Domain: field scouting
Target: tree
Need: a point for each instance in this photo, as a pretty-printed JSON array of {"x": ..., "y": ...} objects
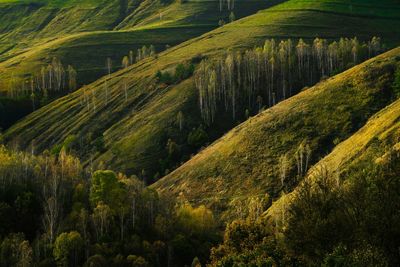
[
  {"x": 109, "y": 69},
  {"x": 152, "y": 51},
  {"x": 284, "y": 166},
  {"x": 105, "y": 188},
  {"x": 137, "y": 261},
  {"x": 131, "y": 57},
  {"x": 52, "y": 205},
  {"x": 71, "y": 78},
  {"x": 25, "y": 254},
  {"x": 272, "y": 73},
  {"x": 109, "y": 196},
  {"x": 179, "y": 119},
  {"x": 125, "y": 62},
  {"x": 232, "y": 17},
  {"x": 10, "y": 250},
  {"x": 196, "y": 262},
  {"x": 67, "y": 248},
  {"x": 101, "y": 219},
  {"x": 198, "y": 220},
  {"x": 197, "y": 137}
]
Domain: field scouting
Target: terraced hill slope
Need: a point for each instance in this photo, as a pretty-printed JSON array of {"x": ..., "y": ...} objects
[
  {"x": 247, "y": 162},
  {"x": 132, "y": 133}
]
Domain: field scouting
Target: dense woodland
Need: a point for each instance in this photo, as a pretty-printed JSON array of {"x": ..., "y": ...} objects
[
  {"x": 55, "y": 213},
  {"x": 244, "y": 83}
]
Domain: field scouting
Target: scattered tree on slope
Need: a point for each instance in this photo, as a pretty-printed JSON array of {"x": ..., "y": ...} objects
[{"x": 263, "y": 76}]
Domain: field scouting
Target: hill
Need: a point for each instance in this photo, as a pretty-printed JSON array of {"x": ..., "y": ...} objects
[
  {"x": 85, "y": 33},
  {"x": 131, "y": 133},
  {"x": 247, "y": 161},
  {"x": 370, "y": 146}
]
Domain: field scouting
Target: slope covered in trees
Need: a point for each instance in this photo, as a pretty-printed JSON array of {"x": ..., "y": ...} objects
[
  {"x": 271, "y": 152},
  {"x": 143, "y": 118}
]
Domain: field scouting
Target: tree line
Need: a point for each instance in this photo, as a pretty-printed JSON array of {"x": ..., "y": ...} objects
[
  {"x": 229, "y": 4},
  {"x": 246, "y": 82},
  {"x": 141, "y": 53},
  {"x": 53, "y": 78},
  {"x": 58, "y": 79}
]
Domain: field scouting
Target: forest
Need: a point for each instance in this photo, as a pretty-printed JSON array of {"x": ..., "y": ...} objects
[
  {"x": 245, "y": 83},
  {"x": 56, "y": 213}
]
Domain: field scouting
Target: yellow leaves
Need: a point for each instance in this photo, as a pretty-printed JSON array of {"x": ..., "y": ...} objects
[{"x": 199, "y": 219}]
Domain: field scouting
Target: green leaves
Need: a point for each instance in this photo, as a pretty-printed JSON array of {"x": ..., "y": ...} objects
[
  {"x": 107, "y": 189},
  {"x": 67, "y": 247}
]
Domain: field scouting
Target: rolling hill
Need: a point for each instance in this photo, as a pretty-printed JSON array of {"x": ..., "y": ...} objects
[
  {"x": 369, "y": 146},
  {"x": 199, "y": 132},
  {"x": 85, "y": 34},
  {"x": 131, "y": 134},
  {"x": 246, "y": 161}
]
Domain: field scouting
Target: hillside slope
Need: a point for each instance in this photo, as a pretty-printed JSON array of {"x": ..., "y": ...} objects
[
  {"x": 134, "y": 131},
  {"x": 85, "y": 34},
  {"x": 246, "y": 161},
  {"x": 371, "y": 146}
]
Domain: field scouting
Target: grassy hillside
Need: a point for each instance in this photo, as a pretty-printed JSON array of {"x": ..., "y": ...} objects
[
  {"x": 361, "y": 175},
  {"x": 152, "y": 108},
  {"x": 84, "y": 34},
  {"x": 246, "y": 161},
  {"x": 111, "y": 29}
]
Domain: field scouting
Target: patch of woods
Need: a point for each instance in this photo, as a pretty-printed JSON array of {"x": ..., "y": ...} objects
[
  {"x": 53, "y": 79},
  {"x": 181, "y": 72},
  {"x": 28, "y": 93},
  {"x": 244, "y": 83},
  {"x": 55, "y": 213}
]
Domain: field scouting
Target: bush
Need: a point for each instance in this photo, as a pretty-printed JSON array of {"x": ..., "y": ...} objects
[
  {"x": 198, "y": 137},
  {"x": 182, "y": 72}
]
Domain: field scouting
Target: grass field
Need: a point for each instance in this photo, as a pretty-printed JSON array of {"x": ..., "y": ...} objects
[{"x": 136, "y": 130}]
